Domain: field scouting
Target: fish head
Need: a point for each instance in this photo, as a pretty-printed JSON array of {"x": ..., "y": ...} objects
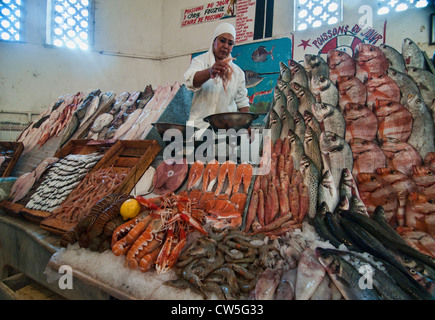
[
  {"x": 297, "y": 88},
  {"x": 321, "y": 110},
  {"x": 369, "y": 181},
  {"x": 338, "y": 57},
  {"x": 330, "y": 260},
  {"x": 330, "y": 141},
  {"x": 366, "y": 52},
  {"x": 311, "y": 61},
  {"x": 319, "y": 82},
  {"x": 343, "y": 204},
  {"x": 252, "y": 78},
  {"x": 282, "y": 85}
]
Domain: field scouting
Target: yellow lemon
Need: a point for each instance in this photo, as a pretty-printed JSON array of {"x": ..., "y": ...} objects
[{"x": 130, "y": 208}]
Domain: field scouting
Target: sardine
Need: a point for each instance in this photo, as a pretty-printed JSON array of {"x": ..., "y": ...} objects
[
  {"x": 336, "y": 154},
  {"x": 311, "y": 178},
  {"x": 361, "y": 122},
  {"x": 341, "y": 64},
  {"x": 331, "y": 118},
  {"x": 344, "y": 276},
  {"x": 324, "y": 90},
  {"x": 394, "y": 57},
  {"x": 316, "y": 66},
  {"x": 310, "y": 274},
  {"x": 412, "y": 54},
  {"x": 422, "y": 135}
]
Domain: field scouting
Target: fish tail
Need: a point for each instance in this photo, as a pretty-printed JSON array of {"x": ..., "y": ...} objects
[{"x": 271, "y": 52}]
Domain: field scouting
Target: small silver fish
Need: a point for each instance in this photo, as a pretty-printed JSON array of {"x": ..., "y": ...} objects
[{"x": 412, "y": 54}]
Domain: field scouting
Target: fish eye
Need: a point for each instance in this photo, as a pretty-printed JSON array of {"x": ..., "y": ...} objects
[
  {"x": 412, "y": 271},
  {"x": 431, "y": 201},
  {"x": 372, "y": 178},
  {"x": 418, "y": 100},
  {"x": 371, "y": 49},
  {"x": 429, "y": 172}
]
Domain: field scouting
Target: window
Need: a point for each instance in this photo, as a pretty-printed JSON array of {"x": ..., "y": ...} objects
[
  {"x": 387, "y": 6},
  {"x": 11, "y": 20},
  {"x": 315, "y": 13},
  {"x": 69, "y": 23}
]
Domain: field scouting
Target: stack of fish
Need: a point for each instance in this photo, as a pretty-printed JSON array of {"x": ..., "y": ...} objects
[{"x": 60, "y": 180}]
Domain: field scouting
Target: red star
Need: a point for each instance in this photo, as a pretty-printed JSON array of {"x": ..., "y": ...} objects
[{"x": 305, "y": 43}]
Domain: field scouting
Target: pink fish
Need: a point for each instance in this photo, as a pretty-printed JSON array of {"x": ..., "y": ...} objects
[
  {"x": 420, "y": 210},
  {"x": 369, "y": 59},
  {"x": 367, "y": 156},
  {"x": 351, "y": 90},
  {"x": 394, "y": 120},
  {"x": 360, "y": 121},
  {"x": 340, "y": 64},
  {"x": 401, "y": 155},
  {"x": 381, "y": 87}
]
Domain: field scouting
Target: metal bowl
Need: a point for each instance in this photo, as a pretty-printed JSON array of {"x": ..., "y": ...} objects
[
  {"x": 161, "y": 127},
  {"x": 231, "y": 120}
]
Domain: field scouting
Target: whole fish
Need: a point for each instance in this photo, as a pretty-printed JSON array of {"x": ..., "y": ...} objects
[
  {"x": 412, "y": 54},
  {"x": 375, "y": 191},
  {"x": 275, "y": 125},
  {"x": 316, "y": 66},
  {"x": 306, "y": 98},
  {"x": 91, "y": 110},
  {"x": 425, "y": 81},
  {"x": 336, "y": 154},
  {"x": 401, "y": 155},
  {"x": 328, "y": 193},
  {"x": 330, "y": 117},
  {"x": 321, "y": 228},
  {"x": 324, "y": 90},
  {"x": 22, "y": 186},
  {"x": 296, "y": 148},
  {"x": 424, "y": 179},
  {"x": 287, "y": 120},
  {"x": 357, "y": 205},
  {"x": 292, "y": 102},
  {"x": 381, "y": 87},
  {"x": 341, "y": 64},
  {"x": 119, "y": 101},
  {"x": 311, "y": 122},
  {"x": 405, "y": 83},
  {"x": 279, "y": 101},
  {"x": 126, "y": 126},
  {"x": 284, "y": 87},
  {"x": 394, "y": 120},
  {"x": 418, "y": 208},
  {"x": 310, "y": 274},
  {"x": 312, "y": 149},
  {"x": 267, "y": 284},
  {"x": 369, "y": 60},
  {"x": 300, "y": 127},
  {"x": 361, "y": 122},
  {"x": 394, "y": 57},
  {"x": 299, "y": 74},
  {"x": 351, "y": 90},
  {"x": 422, "y": 135},
  {"x": 102, "y": 121},
  {"x": 285, "y": 73},
  {"x": 419, "y": 240},
  {"x": 311, "y": 178},
  {"x": 367, "y": 156},
  {"x": 345, "y": 276},
  {"x": 347, "y": 185}
]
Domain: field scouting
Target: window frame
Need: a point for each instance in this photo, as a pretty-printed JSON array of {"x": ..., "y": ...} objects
[{"x": 23, "y": 25}]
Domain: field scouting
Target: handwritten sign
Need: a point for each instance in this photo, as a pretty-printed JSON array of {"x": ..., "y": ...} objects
[
  {"x": 208, "y": 12},
  {"x": 245, "y": 20}
]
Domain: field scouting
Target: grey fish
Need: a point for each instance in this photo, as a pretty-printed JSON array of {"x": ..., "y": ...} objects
[
  {"x": 405, "y": 83},
  {"x": 422, "y": 135},
  {"x": 284, "y": 87},
  {"x": 394, "y": 57},
  {"x": 336, "y": 154},
  {"x": 331, "y": 118},
  {"x": 311, "y": 121},
  {"x": 311, "y": 179},
  {"x": 345, "y": 276},
  {"x": 316, "y": 66},
  {"x": 321, "y": 227},
  {"x": 412, "y": 54},
  {"x": 279, "y": 101},
  {"x": 333, "y": 222},
  {"x": 261, "y": 54},
  {"x": 306, "y": 98},
  {"x": 119, "y": 102},
  {"x": 312, "y": 149},
  {"x": 299, "y": 74},
  {"x": 347, "y": 184},
  {"x": 252, "y": 78},
  {"x": 296, "y": 148},
  {"x": 285, "y": 72},
  {"x": 379, "y": 215},
  {"x": 328, "y": 193},
  {"x": 275, "y": 125},
  {"x": 425, "y": 81},
  {"x": 324, "y": 90},
  {"x": 101, "y": 121},
  {"x": 292, "y": 102},
  {"x": 300, "y": 127},
  {"x": 287, "y": 122},
  {"x": 357, "y": 205}
]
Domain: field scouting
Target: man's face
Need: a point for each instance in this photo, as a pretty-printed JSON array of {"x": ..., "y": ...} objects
[{"x": 223, "y": 45}]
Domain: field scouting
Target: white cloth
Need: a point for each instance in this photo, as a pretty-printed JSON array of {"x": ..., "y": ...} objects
[
  {"x": 211, "y": 97},
  {"x": 224, "y": 27}
]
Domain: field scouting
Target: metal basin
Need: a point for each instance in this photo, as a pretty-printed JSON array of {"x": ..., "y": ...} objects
[
  {"x": 231, "y": 120},
  {"x": 161, "y": 128}
]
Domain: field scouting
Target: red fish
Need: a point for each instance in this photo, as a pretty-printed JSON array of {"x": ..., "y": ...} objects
[
  {"x": 401, "y": 155},
  {"x": 360, "y": 121},
  {"x": 420, "y": 210},
  {"x": 394, "y": 120},
  {"x": 367, "y": 156},
  {"x": 424, "y": 178},
  {"x": 369, "y": 59},
  {"x": 340, "y": 64},
  {"x": 351, "y": 90},
  {"x": 381, "y": 87}
]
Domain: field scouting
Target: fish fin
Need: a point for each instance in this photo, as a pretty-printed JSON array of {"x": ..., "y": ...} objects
[{"x": 271, "y": 52}]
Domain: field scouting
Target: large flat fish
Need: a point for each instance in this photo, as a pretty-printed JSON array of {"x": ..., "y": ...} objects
[
  {"x": 324, "y": 90},
  {"x": 316, "y": 66},
  {"x": 310, "y": 274},
  {"x": 351, "y": 90},
  {"x": 381, "y": 87},
  {"x": 367, "y": 156},
  {"x": 406, "y": 85},
  {"x": 401, "y": 155},
  {"x": 425, "y": 81},
  {"x": 336, "y": 154},
  {"x": 369, "y": 60},
  {"x": 412, "y": 54},
  {"x": 394, "y": 57},
  {"x": 361, "y": 122},
  {"x": 330, "y": 117},
  {"x": 102, "y": 121},
  {"x": 341, "y": 64},
  {"x": 91, "y": 110},
  {"x": 422, "y": 135},
  {"x": 394, "y": 120},
  {"x": 126, "y": 126}
]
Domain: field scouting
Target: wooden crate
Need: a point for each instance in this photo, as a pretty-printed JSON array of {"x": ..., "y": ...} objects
[
  {"x": 72, "y": 147},
  {"x": 17, "y": 147},
  {"x": 132, "y": 157}
]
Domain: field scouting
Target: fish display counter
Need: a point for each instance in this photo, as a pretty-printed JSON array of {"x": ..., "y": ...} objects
[{"x": 345, "y": 183}]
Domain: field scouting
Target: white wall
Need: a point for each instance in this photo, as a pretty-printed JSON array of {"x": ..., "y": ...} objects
[{"x": 141, "y": 42}]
